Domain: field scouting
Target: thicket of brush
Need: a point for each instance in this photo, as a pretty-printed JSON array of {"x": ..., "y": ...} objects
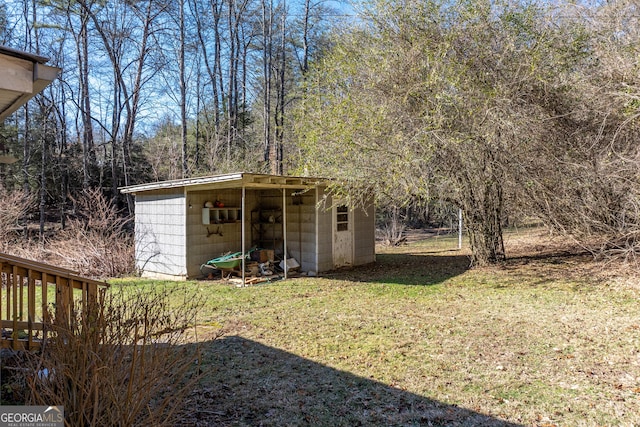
[
  {"x": 96, "y": 239},
  {"x": 125, "y": 362}
]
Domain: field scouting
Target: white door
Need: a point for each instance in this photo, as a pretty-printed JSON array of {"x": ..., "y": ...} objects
[{"x": 342, "y": 236}]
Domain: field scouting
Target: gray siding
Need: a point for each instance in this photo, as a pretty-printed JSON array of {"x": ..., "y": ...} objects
[
  {"x": 364, "y": 244},
  {"x": 325, "y": 234},
  {"x": 301, "y": 230},
  {"x": 160, "y": 234}
]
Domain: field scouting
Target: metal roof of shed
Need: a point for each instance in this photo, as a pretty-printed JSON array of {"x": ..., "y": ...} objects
[{"x": 234, "y": 180}]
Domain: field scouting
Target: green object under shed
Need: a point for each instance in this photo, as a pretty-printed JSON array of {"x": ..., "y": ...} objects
[
  {"x": 231, "y": 261},
  {"x": 228, "y": 261}
]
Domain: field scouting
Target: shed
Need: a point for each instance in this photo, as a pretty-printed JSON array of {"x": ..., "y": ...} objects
[{"x": 182, "y": 224}]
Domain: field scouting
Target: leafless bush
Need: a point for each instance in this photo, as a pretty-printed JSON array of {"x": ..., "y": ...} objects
[
  {"x": 594, "y": 201},
  {"x": 391, "y": 227},
  {"x": 126, "y": 363},
  {"x": 96, "y": 242},
  {"x": 15, "y": 206}
]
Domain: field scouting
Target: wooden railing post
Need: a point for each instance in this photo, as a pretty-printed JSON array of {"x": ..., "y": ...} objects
[
  {"x": 20, "y": 315},
  {"x": 4, "y": 278},
  {"x": 14, "y": 313},
  {"x": 31, "y": 307},
  {"x": 62, "y": 306}
]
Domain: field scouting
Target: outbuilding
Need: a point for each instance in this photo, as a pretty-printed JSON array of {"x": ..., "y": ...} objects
[{"x": 181, "y": 224}]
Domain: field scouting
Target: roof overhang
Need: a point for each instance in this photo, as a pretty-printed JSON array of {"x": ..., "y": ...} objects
[
  {"x": 24, "y": 75},
  {"x": 235, "y": 180}
]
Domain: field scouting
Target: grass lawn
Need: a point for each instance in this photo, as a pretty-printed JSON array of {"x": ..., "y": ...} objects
[{"x": 419, "y": 339}]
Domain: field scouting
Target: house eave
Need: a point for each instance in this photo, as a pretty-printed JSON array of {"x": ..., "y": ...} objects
[{"x": 24, "y": 76}]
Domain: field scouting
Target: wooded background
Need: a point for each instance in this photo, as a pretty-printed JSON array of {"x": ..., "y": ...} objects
[
  {"x": 506, "y": 109},
  {"x": 154, "y": 90}
]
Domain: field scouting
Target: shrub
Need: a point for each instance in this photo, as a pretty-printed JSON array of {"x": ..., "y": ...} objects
[
  {"x": 15, "y": 206},
  {"x": 123, "y": 363},
  {"x": 97, "y": 242},
  {"x": 391, "y": 228}
]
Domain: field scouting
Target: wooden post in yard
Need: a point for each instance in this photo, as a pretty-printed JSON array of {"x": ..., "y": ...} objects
[
  {"x": 459, "y": 229},
  {"x": 242, "y": 227},
  {"x": 284, "y": 230}
]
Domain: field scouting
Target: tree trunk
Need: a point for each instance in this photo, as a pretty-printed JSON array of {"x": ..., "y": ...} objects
[
  {"x": 247, "y": 40},
  {"x": 278, "y": 146},
  {"x": 26, "y": 151},
  {"x": 269, "y": 150},
  {"x": 183, "y": 94},
  {"x": 132, "y": 103},
  {"x": 485, "y": 238},
  {"x": 304, "y": 68},
  {"x": 483, "y": 219},
  {"x": 115, "y": 125},
  {"x": 196, "y": 160},
  {"x": 88, "y": 154},
  {"x": 30, "y": 19},
  {"x": 43, "y": 183}
]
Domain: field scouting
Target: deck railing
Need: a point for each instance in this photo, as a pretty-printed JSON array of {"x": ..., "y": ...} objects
[{"x": 30, "y": 290}]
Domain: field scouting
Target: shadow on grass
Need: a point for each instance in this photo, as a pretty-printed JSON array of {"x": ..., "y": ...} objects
[
  {"x": 406, "y": 269},
  {"x": 250, "y": 384}
]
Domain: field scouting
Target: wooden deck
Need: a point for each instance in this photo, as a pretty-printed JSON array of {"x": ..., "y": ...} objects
[{"x": 30, "y": 290}]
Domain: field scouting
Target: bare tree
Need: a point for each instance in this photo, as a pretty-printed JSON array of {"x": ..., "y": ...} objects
[
  {"x": 278, "y": 144},
  {"x": 267, "y": 59},
  {"x": 183, "y": 90},
  {"x": 115, "y": 35}
]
